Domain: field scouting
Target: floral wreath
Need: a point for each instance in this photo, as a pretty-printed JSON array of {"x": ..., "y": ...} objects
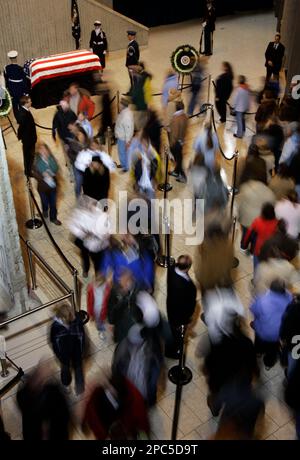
[
  {"x": 184, "y": 59},
  {"x": 5, "y": 103}
]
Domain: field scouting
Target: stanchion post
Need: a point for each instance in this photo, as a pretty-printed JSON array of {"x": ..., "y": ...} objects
[
  {"x": 109, "y": 140},
  {"x": 233, "y": 187},
  {"x": 208, "y": 90},
  {"x": 233, "y": 192},
  {"x": 118, "y": 101},
  {"x": 180, "y": 375},
  {"x": 4, "y": 370},
  {"x": 32, "y": 223},
  {"x": 182, "y": 82},
  {"x": 165, "y": 260},
  {"x": 166, "y": 186},
  {"x": 31, "y": 268},
  {"x": 76, "y": 291}
]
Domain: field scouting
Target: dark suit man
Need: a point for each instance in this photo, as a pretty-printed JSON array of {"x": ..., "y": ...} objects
[
  {"x": 274, "y": 57},
  {"x": 181, "y": 299},
  {"x": 27, "y": 133},
  {"x": 132, "y": 55},
  {"x": 209, "y": 28}
]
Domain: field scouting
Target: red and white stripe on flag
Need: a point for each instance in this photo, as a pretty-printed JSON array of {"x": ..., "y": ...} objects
[{"x": 63, "y": 64}]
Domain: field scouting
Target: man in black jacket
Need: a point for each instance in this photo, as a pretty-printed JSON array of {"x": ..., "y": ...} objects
[
  {"x": 133, "y": 54},
  {"x": 96, "y": 180},
  {"x": 64, "y": 117},
  {"x": 274, "y": 57},
  {"x": 181, "y": 299},
  {"x": 27, "y": 133},
  {"x": 98, "y": 43}
]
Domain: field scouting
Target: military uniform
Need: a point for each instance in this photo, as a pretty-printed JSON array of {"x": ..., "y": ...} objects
[
  {"x": 133, "y": 53},
  {"x": 16, "y": 84},
  {"x": 98, "y": 43},
  {"x": 132, "y": 56}
]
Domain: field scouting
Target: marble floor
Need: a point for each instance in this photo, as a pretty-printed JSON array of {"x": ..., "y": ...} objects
[{"x": 240, "y": 40}]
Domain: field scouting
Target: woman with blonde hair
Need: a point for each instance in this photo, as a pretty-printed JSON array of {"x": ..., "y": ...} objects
[
  {"x": 45, "y": 171},
  {"x": 67, "y": 337}
]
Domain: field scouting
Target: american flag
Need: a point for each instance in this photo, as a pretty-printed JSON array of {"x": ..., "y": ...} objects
[
  {"x": 63, "y": 64},
  {"x": 76, "y": 31}
]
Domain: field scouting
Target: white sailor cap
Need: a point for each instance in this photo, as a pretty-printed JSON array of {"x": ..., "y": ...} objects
[
  {"x": 97, "y": 23},
  {"x": 12, "y": 54}
]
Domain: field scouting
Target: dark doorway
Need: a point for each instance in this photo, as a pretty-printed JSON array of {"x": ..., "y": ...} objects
[{"x": 158, "y": 12}]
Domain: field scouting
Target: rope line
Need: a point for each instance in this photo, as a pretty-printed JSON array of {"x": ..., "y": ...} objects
[{"x": 230, "y": 106}]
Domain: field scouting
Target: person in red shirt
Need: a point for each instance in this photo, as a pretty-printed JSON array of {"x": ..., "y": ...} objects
[
  {"x": 116, "y": 410},
  {"x": 80, "y": 101},
  {"x": 261, "y": 229}
]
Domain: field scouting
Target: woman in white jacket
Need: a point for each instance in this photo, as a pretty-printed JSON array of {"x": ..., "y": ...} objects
[{"x": 91, "y": 228}]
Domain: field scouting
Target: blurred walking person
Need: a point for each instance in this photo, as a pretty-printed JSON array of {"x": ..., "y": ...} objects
[
  {"x": 45, "y": 171},
  {"x": 224, "y": 88},
  {"x": 181, "y": 299},
  {"x": 178, "y": 130},
  {"x": 67, "y": 338},
  {"x": 124, "y": 130},
  {"x": 241, "y": 105},
  {"x": 27, "y": 133},
  {"x": 45, "y": 410}
]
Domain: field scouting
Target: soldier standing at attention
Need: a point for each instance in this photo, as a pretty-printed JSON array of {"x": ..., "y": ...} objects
[
  {"x": 15, "y": 80},
  {"x": 133, "y": 55},
  {"x": 98, "y": 42}
]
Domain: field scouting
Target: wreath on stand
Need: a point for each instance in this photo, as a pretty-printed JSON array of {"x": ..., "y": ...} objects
[
  {"x": 5, "y": 102},
  {"x": 184, "y": 59}
]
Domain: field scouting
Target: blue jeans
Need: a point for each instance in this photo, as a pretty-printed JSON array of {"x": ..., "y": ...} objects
[
  {"x": 241, "y": 124},
  {"x": 49, "y": 201},
  {"x": 122, "y": 151},
  {"x": 255, "y": 262},
  {"x": 78, "y": 175}
]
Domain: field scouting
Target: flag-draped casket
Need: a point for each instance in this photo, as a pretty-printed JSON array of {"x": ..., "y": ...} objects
[{"x": 50, "y": 76}]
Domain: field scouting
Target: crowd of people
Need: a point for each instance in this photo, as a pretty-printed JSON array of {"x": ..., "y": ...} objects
[{"x": 121, "y": 296}]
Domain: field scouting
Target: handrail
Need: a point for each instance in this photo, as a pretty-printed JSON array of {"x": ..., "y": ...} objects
[
  {"x": 14, "y": 381},
  {"x": 42, "y": 260},
  {"x": 211, "y": 107},
  {"x": 230, "y": 106},
  {"x": 34, "y": 310},
  {"x": 57, "y": 248},
  {"x": 70, "y": 267}
]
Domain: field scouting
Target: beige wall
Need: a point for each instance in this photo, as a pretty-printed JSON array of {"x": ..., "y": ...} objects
[
  {"x": 39, "y": 28},
  {"x": 108, "y": 3},
  {"x": 290, "y": 38}
]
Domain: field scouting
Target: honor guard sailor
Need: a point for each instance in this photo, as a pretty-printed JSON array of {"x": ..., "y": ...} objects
[{"x": 98, "y": 42}]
